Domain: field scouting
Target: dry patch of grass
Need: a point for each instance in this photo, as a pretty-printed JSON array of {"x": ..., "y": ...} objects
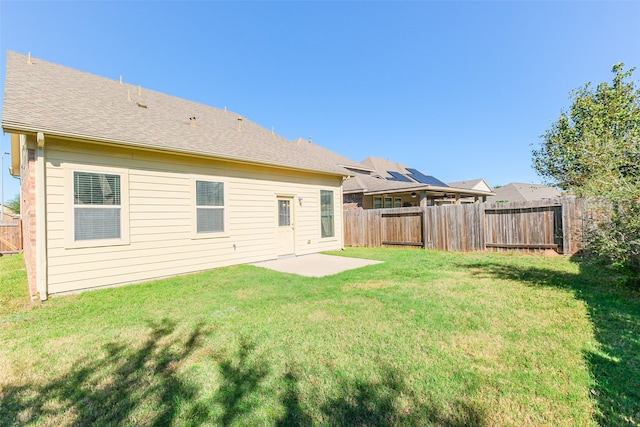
[
  {"x": 483, "y": 347},
  {"x": 368, "y": 285}
]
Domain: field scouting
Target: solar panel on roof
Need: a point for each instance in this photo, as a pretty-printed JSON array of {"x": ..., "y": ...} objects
[
  {"x": 425, "y": 179},
  {"x": 397, "y": 176}
]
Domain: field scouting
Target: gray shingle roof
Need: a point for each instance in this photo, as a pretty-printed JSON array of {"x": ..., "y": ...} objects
[
  {"x": 519, "y": 192},
  {"x": 383, "y": 166},
  {"x": 57, "y": 100},
  {"x": 368, "y": 184},
  {"x": 382, "y": 181},
  {"x": 328, "y": 155},
  {"x": 476, "y": 184}
]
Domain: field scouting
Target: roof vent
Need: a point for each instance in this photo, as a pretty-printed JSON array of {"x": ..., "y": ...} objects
[
  {"x": 141, "y": 105},
  {"x": 192, "y": 121},
  {"x": 239, "y": 124}
]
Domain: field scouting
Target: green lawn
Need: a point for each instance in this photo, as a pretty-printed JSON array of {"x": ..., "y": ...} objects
[{"x": 426, "y": 338}]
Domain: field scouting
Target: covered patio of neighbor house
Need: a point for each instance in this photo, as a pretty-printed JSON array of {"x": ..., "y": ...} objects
[
  {"x": 381, "y": 184},
  {"x": 369, "y": 192}
]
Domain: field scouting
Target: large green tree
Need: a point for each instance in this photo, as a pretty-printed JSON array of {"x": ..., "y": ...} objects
[
  {"x": 595, "y": 146},
  {"x": 593, "y": 151},
  {"x": 14, "y": 204}
]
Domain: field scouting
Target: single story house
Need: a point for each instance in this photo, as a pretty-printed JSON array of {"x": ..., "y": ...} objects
[
  {"x": 520, "y": 192},
  {"x": 472, "y": 184},
  {"x": 7, "y": 214},
  {"x": 380, "y": 183},
  {"x": 122, "y": 184},
  {"x": 10, "y": 231}
]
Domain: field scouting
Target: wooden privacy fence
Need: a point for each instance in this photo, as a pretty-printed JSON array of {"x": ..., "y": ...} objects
[
  {"x": 10, "y": 236},
  {"x": 517, "y": 226}
]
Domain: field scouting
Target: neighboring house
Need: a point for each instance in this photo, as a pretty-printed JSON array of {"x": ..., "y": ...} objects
[
  {"x": 121, "y": 184},
  {"x": 518, "y": 192},
  {"x": 9, "y": 214},
  {"x": 380, "y": 183},
  {"x": 472, "y": 184},
  {"x": 10, "y": 231}
]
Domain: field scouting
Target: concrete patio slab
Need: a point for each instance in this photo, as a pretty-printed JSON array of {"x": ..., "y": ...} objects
[{"x": 315, "y": 265}]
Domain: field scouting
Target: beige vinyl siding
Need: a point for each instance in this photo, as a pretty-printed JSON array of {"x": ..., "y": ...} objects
[{"x": 160, "y": 207}]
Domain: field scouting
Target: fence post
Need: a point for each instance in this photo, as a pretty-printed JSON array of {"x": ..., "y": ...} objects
[
  {"x": 424, "y": 226},
  {"x": 566, "y": 226},
  {"x": 481, "y": 227},
  {"x": 571, "y": 221}
]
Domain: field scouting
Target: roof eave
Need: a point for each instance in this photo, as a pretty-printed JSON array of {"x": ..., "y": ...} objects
[
  {"x": 12, "y": 127},
  {"x": 444, "y": 190},
  {"x": 357, "y": 168}
]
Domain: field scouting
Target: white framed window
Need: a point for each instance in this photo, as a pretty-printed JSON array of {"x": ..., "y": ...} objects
[
  {"x": 327, "y": 214},
  {"x": 209, "y": 207},
  {"x": 98, "y": 207},
  {"x": 397, "y": 202},
  {"x": 377, "y": 202},
  {"x": 388, "y": 202}
]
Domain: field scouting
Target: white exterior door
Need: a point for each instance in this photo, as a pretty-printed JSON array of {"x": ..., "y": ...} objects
[{"x": 285, "y": 230}]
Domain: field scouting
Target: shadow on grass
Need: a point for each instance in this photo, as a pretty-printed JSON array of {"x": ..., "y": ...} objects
[
  {"x": 390, "y": 402},
  {"x": 247, "y": 384},
  {"x": 615, "y": 314},
  {"x": 241, "y": 377},
  {"x": 108, "y": 391},
  {"x": 385, "y": 402},
  {"x": 142, "y": 385}
]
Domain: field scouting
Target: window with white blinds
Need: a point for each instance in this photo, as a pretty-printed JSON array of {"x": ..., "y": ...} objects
[
  {"x": 209, "y": 207},
  {"x": 97, "y": 206}
]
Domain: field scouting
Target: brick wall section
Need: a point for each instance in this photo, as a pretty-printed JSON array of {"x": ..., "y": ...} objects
[{"x": 28, "y": 213}]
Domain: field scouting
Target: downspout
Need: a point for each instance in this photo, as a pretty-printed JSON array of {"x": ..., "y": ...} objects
[
  {"x": 341, "y": 210},
  {"x": 41, "y": 219}
]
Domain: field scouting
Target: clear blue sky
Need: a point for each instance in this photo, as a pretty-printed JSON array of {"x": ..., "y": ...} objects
[{"x": 459, "y": 90}]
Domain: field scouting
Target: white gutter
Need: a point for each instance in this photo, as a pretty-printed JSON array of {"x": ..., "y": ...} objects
[
  {"x": 10, "y": 127},
  {"x": 41, "y": 219},
  {"x": 341, "y": 211}
]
